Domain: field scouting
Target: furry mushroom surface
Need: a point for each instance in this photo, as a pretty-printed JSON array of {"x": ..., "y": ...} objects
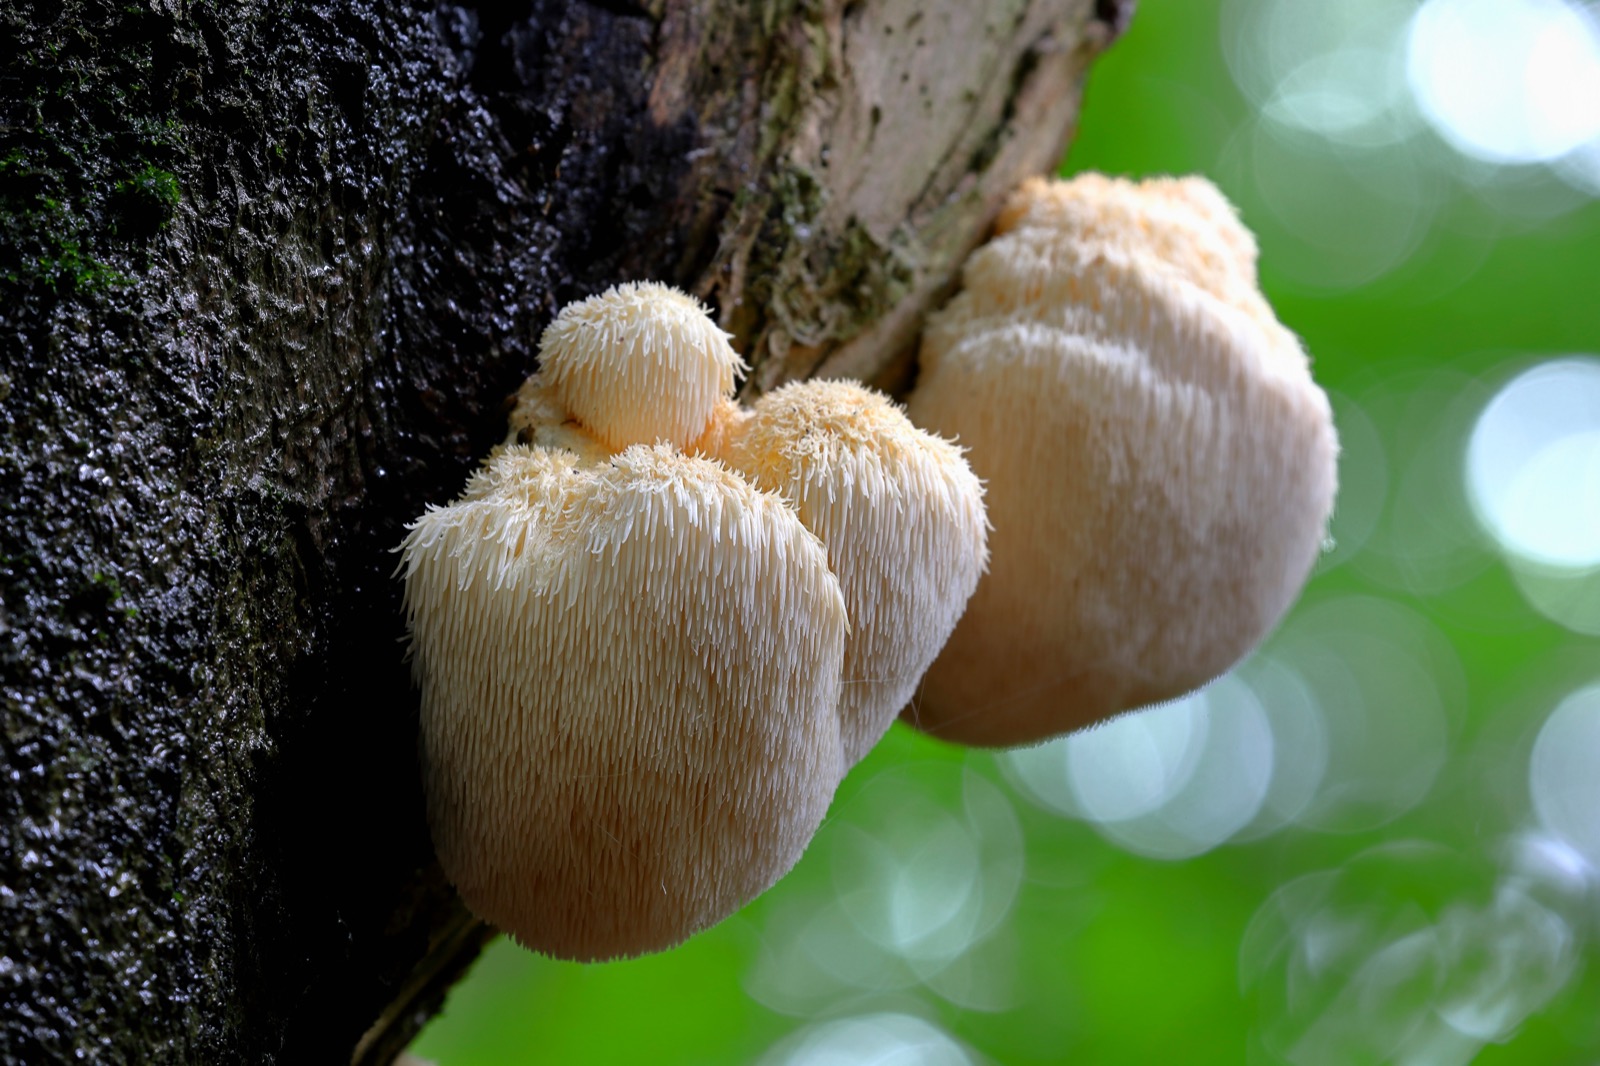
[
  {"x": 630, "y": 675},
  {"x": 901, "y": 515},
  {"x": 1160, "y": 464},
  {"x": 639, "y": 363},
  {"x": 656, "y": 628},
  {"x": 899, "y": 510}
]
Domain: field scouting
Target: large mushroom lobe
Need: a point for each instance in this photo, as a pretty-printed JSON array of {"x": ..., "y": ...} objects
[
  {"x": 630, "y": 676},
  {"x": 902, "y": 518},
  {"x": 1160, "y": 464}
]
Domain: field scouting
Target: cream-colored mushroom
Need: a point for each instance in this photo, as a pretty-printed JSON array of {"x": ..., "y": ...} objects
[
  {"x": 899, "y": 510},
  {"x": 900, "y": 513},
  {"x": 538, "y": 417},
  {"x": 630, "y": 674},
  {"x": 640, "y": 363},
  {"x": 1160, "y": 465},
  {"x": 1185, "y": 221}
]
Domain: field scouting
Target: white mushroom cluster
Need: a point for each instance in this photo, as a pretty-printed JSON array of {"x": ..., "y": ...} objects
[
  {"x": 1160, "y": 465},
  {"x": 656, "y": 629}
]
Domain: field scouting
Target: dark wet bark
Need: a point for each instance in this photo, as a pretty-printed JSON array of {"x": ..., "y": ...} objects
[{"x": 267, "y": 273}]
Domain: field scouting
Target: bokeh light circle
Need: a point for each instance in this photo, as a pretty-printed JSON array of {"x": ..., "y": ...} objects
[
  {"x": 1299, "y": 741},
  {"x": 1507, "y": 81},
  {"x": 1342, "y": 219},
  {"x": 1533, "y": 465},
  {"x": 1409, "y": 952},
  {"x": 1383, "y": 680},
  {"x": 1336, "y": 70},
  {"x": 1170, "y": 781},
  {"x": 871, "y": 1040},
  {"x": 1561, "y": 772},
  {"x": 1424, "y": 542},
  {"x": 1130, "y": 767},
  {"x": 922, "y": 868}
]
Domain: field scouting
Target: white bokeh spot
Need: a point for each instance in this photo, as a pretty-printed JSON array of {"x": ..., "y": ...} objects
[
  {"x": 1507, "y": 81},
  {"x": 1533, "y": 465},
  {"x": 871, "y": 1040},
  {"x": 1168, "y": 782},
  {"x": 1561, "y": 772}
]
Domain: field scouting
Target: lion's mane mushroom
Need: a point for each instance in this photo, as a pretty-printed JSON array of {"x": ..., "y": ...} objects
[
  {"x": 630, "y": 672},
  {"x": 640, "y": 363},
  {"x": 1160, "y": 465},
  {"x": 630, "y": 658},
  {"x": 900, "y": 513},
  {"x": 641, "y": 678},
  {"x": 898, "y": 509}
]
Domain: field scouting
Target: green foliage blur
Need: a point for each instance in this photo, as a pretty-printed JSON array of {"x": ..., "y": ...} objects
[{"x": 1377, "y": 840}]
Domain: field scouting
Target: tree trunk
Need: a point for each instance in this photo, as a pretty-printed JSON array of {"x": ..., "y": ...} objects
[{"x": 268, "y": 272}]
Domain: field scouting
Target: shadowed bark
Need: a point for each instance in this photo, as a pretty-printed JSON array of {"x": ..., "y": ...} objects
[{"x": 268, "y": 272}]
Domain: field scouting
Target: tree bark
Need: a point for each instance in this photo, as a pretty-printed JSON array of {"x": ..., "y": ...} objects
[{"x": 268, "y": 272}]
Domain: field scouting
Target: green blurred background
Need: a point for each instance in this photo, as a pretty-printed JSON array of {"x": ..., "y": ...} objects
[{"x": 1378, "y": 839}]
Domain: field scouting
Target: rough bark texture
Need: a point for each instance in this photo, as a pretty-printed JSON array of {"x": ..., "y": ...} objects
[{"x": 267, "y": 272}]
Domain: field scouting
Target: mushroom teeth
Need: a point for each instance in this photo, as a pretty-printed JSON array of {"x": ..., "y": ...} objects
[
  {"x": 1160, "y": 465},
  {"x": 637, "y": 364},
  {"x": 1186, "y": 222},
  {"x": 901, "y": 515},
  {"x": 630, "y": 672}
]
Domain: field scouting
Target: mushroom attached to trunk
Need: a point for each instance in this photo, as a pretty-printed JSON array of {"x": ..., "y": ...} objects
[
  {"x": 1160, "y": 465},
  {"x": 898, "y": 509},
  {"x": 643, "y": 674},
  {"x": 630, "y": 658},
  {"x": 901, "y": 515},
  {"x": 640, "y": 363},
  {"x": 630, "y": 676}
]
